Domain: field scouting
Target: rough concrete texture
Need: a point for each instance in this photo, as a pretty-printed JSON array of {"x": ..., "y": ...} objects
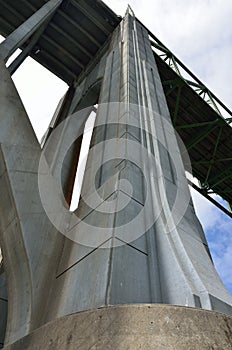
[{"x": 160, "y": 327}]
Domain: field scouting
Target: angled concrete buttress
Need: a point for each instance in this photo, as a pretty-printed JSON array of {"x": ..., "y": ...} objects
[{"x": 137, "y": 239}]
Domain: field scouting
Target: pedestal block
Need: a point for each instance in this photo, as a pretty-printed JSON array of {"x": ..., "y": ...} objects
[{"x": 132, "y": 327}]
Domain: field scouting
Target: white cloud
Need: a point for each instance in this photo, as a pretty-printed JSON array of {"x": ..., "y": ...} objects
[
  {"x": 206, "y": 211},
  {"x": 199, "y": 32}
]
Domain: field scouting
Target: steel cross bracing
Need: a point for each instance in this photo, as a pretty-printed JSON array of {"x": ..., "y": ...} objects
[{"x": 66, "y": 47}]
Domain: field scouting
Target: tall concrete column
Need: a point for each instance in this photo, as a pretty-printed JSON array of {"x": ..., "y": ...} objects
[{"x": 163, "y": 256}]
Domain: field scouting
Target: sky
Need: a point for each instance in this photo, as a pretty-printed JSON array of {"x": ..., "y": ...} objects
[{"x": 199, "y": 33}]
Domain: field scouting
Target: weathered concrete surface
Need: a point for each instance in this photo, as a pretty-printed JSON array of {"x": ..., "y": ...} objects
[{"x": 160, "y": 327}]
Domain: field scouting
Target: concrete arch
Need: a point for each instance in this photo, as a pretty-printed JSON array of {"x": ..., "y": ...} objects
[
  {"x": 15, "y": 263},
  {"x": 29, "y": 263}
]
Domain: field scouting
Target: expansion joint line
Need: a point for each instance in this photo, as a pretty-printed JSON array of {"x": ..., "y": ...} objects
[{"x": 85, "y": 256}]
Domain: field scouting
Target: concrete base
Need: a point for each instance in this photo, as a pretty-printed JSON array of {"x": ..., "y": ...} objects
[{"x": 153, "y": 326}]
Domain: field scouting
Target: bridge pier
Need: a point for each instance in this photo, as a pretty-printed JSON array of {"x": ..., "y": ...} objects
[{"x": 137, "y": 239}]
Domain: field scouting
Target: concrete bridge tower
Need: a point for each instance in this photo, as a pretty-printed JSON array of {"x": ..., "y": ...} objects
[{"x": 130, "y": 268}]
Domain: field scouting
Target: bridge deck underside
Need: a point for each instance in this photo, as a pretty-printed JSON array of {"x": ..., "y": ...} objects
[{"x": 74, "y": 36}]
